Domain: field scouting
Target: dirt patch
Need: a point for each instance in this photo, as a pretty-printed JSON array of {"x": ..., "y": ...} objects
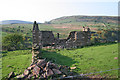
[{"x": 71, "y": 27}]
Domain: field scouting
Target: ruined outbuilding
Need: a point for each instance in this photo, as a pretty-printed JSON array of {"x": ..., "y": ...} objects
[{"x": 74, "y": 40}]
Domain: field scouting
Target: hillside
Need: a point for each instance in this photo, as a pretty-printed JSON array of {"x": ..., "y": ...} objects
[
  {"x": 71, "y": 23},
  {"x": 96, "y": 19},
  {"x": 64, "y": 25},
  {"x": 15, "y": 22}
]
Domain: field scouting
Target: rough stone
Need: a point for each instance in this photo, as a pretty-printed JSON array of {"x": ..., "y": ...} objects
[
  {"x": 45, "y": 69},
  {"x": 36, "y": 52},
  {"x": 49, "y": 72},
  {"x": 41, "y": 77},
  {"x": 63, "y": 75},
  {"x": 64, "y": 69},
  {"x": 34, "y": 45},
  {"x": 36, "y": 70},
  {"x": 48, "y": 65},
  {"x": 11, "y": 75},
  {"x": 26, "y": 72},
  {"x": 54, "y": 66},
  {"x": 41, "y": 62},
  {"x": 56, "y": 71},
  {"x": 43, "y": 65},
  {"x": 73, "y": 68},
  {"x": 30, "y": 76},
  {"x": 20, "y": 76},
  {"x": 31, "y": 67},
  {"x": 44, "y": 75}
]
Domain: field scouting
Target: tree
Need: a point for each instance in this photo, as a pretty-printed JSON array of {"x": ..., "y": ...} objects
[
  {"x": 95, "y": 21},
  {"x": 19, "y": 27},
  {"x": 12, "y": 42}
]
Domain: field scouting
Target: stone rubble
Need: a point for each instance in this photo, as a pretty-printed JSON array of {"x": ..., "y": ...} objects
[{"x": 43, "y": 69}]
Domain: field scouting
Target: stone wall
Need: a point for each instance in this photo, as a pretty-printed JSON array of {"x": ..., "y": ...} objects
[
  {"x": 74, "y": 40},
  {"x": 36, "y": 46},
  {"x": 47, "y": 38}
]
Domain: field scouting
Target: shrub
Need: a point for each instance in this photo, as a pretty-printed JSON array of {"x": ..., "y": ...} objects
[{"x": 12, "y": 42}]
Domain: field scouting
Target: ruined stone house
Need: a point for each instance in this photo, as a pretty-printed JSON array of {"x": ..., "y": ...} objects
[{"x": 74, "y": 40}]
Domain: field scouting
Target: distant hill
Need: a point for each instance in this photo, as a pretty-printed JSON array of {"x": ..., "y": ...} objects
[
  {"x": 73, "y": 19},
  {"x": 15, "y": 22}
]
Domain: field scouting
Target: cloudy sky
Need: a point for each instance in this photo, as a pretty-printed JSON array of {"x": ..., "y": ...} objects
[{"x": 45, "y": 10}]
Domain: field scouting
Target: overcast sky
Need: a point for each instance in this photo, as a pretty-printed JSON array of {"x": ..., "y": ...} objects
[{"x": 45, "y": 10}]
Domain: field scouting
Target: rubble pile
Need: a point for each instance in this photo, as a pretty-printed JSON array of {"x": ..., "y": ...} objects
[{"x": 43, "y": 69}]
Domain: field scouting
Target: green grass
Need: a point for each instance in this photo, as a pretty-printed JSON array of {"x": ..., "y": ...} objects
[
  {"x": 15, "y": 61},
  {"x": 87, "y": 59}
]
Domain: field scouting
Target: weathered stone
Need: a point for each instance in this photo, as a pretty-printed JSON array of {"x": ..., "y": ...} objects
[
  {"x": 20, "y": 76},
  {"x": 45, "y": 69},
  {"x": 63, "y": 75},
  {"x": 72, "y": 67},
  {"x": 49, "y": 72},
  {"x": 41, "y": 77},
  {"x": 26, "y": 72},
  {"x": 54, "y": 66},
  {"x": 43, "y": 65},
  {"x": 36, "y": 52},
  {"x": 48, "y": 65},
  {"x": 44, "y": 75},
  {"x": 64, "y": 69},
  {"x": 51, "y": 65},
  {"x": 30, "y": 76},
  {"x": 11, "y": 75},
  {"x": 37, "y": 47},
  {"x": 31, "y": 67},
  {"x": 36, "y": 70},
  {"x": 56, "y": 71},
  {"x": 34, "y": 45},
  {"x": 41, "y": 62}
]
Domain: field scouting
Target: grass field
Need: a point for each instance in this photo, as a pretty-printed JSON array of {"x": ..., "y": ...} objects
[{"x": 87, "y": 59}]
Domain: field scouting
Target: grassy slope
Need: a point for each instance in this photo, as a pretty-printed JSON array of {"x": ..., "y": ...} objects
[
  {"x": 72, "y": 19},
  {"x": 15, "y": 61},
  {"x": 88, "y": 59},
  {"x": 42, "y": 27}
]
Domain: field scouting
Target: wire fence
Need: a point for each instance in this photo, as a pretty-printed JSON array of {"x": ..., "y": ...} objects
[{"x": 88, "y": 74}]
